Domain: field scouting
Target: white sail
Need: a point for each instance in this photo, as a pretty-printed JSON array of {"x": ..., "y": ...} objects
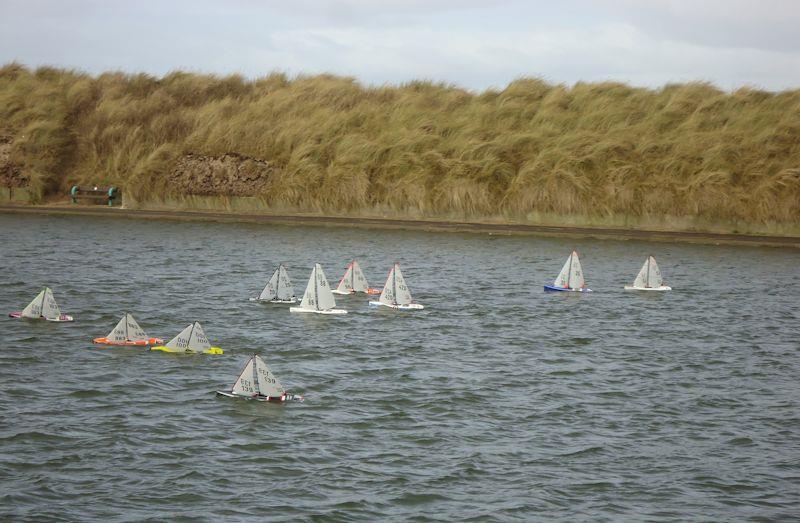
[
  {"x": 346, "y": 283},
  {"x": 310, "y": 297},
  {"x": 387, "y": 296},
  {"x": 197, "y": 339},
  {"x": 325, "y": 299},
  {"x": 562, "y": 280},
  {"x": 181, "y": 341},
  {"x": 135, "y": 332},
  {"x": 268, "y": 385},
  {"x": 576, "y": 280},
  {"x": 654, "y": 278},
  {"x": 285, "y": 290},
  {"x": 641, "y": 278},
  {"x": 50, "y": 308},
  {"x": 649, "y": 276},
  {"x": 127, "y": 330},
  {"x": 318, "y": 295},
  {"x": 357, "y": 279},
  {"x": 402, "y": 295},
  {"x": 571, "y": 275},
  {"x": 270, "y": 290},
  {"x": 34, "y": 308},
  {"x": 246, "y": 383},
  {"x": 119, "y": 333}
]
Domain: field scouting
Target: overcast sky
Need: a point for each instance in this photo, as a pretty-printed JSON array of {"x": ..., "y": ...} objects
[{"x": 472, "y": 43}]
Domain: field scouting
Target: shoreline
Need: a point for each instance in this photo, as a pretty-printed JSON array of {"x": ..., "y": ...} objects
[{"x": 411, "y": 224}]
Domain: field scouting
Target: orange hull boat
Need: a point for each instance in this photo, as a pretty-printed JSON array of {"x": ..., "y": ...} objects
[{"x": 139, "y": 343}]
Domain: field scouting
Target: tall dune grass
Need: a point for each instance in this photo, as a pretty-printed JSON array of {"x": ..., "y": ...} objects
[{"x": 593, "y": 149}]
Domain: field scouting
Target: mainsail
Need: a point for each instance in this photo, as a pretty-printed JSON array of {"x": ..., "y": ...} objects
[
  {"x": 246, "y": 382},
  {"x": 318, "y": 293},
  {"x": 649, "y": 275},
  {"x": 192, "y": 338},
  {"x": 395, "y": 290},
  {"x": 43, "y": 305},
  {"x": 256, "y": 378},
  {"x": 279, "y": 287},
  {"x": 353, "y": 280},
  {"x": 181, "y": 341},
  {"x": 358, "y": 280},
  {"x": 571, "y": 275},
  {"x": 270, "y": 290},
  {"x": 285, "y": 290},
  {"x": 197, "y": 339},
  {"x": 268, "y": 385},
  {"x": 50, "y": 309},
  {"x": 34, "y": 308},
  {"x": 127, "y": 330}
]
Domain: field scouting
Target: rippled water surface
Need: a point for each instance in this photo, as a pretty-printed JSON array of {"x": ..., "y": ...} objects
[{"x": 497, "y": 401}]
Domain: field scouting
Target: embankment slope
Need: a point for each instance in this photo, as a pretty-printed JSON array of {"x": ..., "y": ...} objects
[{"x": 688, "y": 155}]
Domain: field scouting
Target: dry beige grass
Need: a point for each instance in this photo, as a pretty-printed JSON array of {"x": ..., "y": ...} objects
[{"x": 600, "y": 150}]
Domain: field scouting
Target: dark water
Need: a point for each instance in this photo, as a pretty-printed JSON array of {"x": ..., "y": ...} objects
[{"x": 496, "y": 402}]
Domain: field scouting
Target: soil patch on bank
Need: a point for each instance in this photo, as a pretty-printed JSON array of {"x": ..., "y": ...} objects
[
  {"x": 10, "y": 173},
  {"x": 231, "y": 174}
]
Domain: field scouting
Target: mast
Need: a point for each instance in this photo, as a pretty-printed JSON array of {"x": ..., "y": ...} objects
[
  {"x": 394, "y": 283},
  {"x": 255, "y": 374},
  {"x": 569, "y": 270},
  {"x": 41, "y": 307},
  {"x": 278, "y": 286},
  {"x": 352, "y": 276},
  {"x": 189, "y": 339},
  {"x": 647, "y": 281},
  {"x": 127, "y": 338},
  {"x": 316, "y": 289}
]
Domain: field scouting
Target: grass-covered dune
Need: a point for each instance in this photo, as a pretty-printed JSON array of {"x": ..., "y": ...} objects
[{"x": 328, "y": 144}]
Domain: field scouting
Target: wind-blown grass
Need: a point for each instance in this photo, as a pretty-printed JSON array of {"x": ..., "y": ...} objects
[{"x": 603, "y": 149}]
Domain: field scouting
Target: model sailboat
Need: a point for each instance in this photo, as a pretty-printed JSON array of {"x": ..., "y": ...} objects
[
  {"x": 127, "y": 332},
  {"x": 354, "y": 281},
  {"x": 191, "y": 340},
  {"x": 649, "y": 278},
  {"x": 256, "y": 382},
  {"x": 278, "y": 289},
  {"x": 43, "y": 307},
  {"x": 570, "y": 279},
  {"x": 395, "y": 292},
  {"x": 318, "y": 297}
]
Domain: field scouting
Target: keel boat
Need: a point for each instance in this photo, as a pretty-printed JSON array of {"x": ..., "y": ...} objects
[
  {"x": 43, "y": 307},
  {"x": 570, "y": 279},
  {"x": 278, "y": 289},
  {"x": 318, "y": 298},
  {"x": 649, "y": 278},
  {"x": 395, "y": 293},
  {"x": 191, "y": 340},
  {"x": 256, "y": 382},
  {"x": 354, "y": 281},
  {"x": 128, "y": 333}
]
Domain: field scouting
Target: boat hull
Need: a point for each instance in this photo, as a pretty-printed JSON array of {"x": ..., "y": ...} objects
[
  {"x": 409, "y": 307},
  {"x": 62, "y": 318},
  {"x": 170, "y": 350},
  {"x": 266, "y": 399},
  {"x": 552, "y": 288},
  {"x": 138, "y": 343},
  {"x": 315, "y": 311},
  {"x": 369, "y": 292},
  {"x": 274, "y": 301},
  {"x": 648, "y": 289}
]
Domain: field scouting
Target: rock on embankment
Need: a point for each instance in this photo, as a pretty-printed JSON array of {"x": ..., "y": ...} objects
[
  {"x": 228, "y": 175},
  {"x": 10, "y": 173}
]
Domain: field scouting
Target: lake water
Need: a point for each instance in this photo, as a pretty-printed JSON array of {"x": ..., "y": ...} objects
[{"x": 497, "y": 401}]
